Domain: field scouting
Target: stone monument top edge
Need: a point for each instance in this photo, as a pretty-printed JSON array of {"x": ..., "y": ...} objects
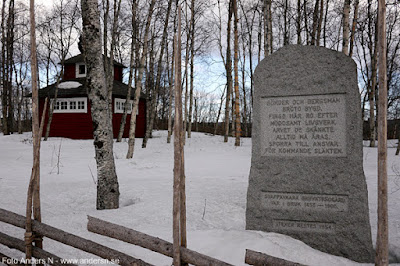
[
  {"x": 294, "y": 51},
  {"x": 302, "y": 70}
]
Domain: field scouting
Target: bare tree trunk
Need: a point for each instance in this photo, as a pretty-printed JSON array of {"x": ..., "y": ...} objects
[
  {"x": 158, "y": 78},
  {"x": 321, "y": 15},
  {"x": 346, "y": 27},
  {"x": 228, "y": 68},
  {"x": 353, "y": 27},
  {"x": 3, "y": 71},
  {"x": 285, "y": 23},
  {"x": 298, "y": 22},
  {"x": 138, "y": 83},
  {"x": 196, "y": 124},
  {"x": 363, "y": 101},
  {"x": 382, "y": 239},
  {"x": 107, "y": 181},
  {"x": 373, "y": 46},
  {"x": 244, "y": 85},
  {"x": 171, "y": 90},
  {"x": 269, "y": 23},
  {"x": 185, "y": 117},
  {"x": 131, "y": 73},
  {"x": 178, "y": 227},
  {"x": 10, "y": 63},
  {"x": 180, "y": 135},
  {"x": 233, "y": 112},
  {"x": 315, "y": 23},
  {"x": 151, "y": 93},
  {"x": 110, "y": 60},
  {"x": 265, "y": 24},
  {"x": 306, "y": 22},
  {"x": 53, "y": 103},
  {"x": 250, "y": 50},
  {"x": 235, "y": 65},
  {"x": 19, "y": 97},
  {"x": 106, "y": 7},
  {"x": 219, "y": 113},
  {"x": 191, "y": 70},
  {"x": 325, "y": 20},
  {"x": 34, "y": 184},
  {"x": 33, "y": 195},
  {"x": 259, "y": 38}
]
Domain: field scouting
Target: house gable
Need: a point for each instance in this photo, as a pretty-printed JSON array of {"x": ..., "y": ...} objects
[
  {"x": 72, "y": 113},
  {"x": 75, "y": 67}
]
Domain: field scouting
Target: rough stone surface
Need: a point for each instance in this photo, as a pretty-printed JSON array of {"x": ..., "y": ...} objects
[{"x": 306, "y": 178}]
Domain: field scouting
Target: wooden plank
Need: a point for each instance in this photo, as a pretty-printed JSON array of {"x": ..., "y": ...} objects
[
  {"x": 382, "y": 239},
  {"x": 146, "y": 241},
  {"x": 70, "y": 239},
  {"x": 261, "y": 259},
  {"x": 38, "y": 253}
]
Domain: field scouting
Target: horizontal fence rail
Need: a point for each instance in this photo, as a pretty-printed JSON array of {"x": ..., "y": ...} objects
[
  {"x": 261, "y": 259},
  {"x": 38, "y": 253},
  {"x": 71, "y": 240},
  {"x": 149, "y": 242}
]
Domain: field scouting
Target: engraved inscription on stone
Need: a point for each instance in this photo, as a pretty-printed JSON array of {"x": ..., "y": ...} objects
[
  {"x": 312, "y": 125},
  {"x": 304, "y": 226},
  {"x": 307, "y": 202}
]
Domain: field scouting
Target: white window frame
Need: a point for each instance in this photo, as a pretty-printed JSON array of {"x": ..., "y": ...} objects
[
  {"x": 68, "y": 101},
  {"x": 77, "y": 70},
  {"x": 119, "y": 105}
]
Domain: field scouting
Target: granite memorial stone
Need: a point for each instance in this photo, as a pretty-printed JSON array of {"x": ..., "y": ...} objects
[{"x": 306, "y": 178}]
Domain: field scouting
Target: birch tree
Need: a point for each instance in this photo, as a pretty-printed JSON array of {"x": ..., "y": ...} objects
[
  {"x": 373, "y": 50},
  {"x": 131, "y": 71},
  {"x": 228, "y": 69},
  {"x": 109, "y": 60},
  {"x": 2, "y": 72},
  {"x": 62, "y": 36},
  {"x": 236, "y": 71},
  {"x": 192, "y": 38},
  {"x": 138, "y": 83},
  {"x": 315, "y": 23},
  {"x": 353, "y": 27},
  {"x": 267, "y": 27},
  {"x": 7, "y": 53},
  {"x": 107, "y": 181},
  {"x": 346, "y": 27},
  {"x": 158, "y": 77}
]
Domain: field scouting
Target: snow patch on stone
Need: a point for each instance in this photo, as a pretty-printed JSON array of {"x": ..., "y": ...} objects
[{"x": 69, "y": 85}]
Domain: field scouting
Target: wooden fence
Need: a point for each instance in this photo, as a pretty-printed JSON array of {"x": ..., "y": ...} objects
[{"x": 118, "y": 232}]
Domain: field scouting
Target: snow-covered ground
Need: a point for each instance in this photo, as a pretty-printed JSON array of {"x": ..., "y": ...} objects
[{"x": 217, "y": 180}]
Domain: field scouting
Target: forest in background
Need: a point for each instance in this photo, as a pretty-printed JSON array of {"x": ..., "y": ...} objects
[
  {"x": 144, "y": 36},
  {"x": 209, "y": 93}
]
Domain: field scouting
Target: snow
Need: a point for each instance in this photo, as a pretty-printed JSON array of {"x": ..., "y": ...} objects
[
  {"x": 69, "y": 85},
  {"x": 216, "y": 187}
]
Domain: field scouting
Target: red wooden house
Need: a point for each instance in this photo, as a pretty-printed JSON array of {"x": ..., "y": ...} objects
[{"x": 72, "y": 112}]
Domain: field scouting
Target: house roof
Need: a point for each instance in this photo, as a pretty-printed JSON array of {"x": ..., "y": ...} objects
[
  {"x": 79, "y": 58},
  {"x": 119, "y": 90}
]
